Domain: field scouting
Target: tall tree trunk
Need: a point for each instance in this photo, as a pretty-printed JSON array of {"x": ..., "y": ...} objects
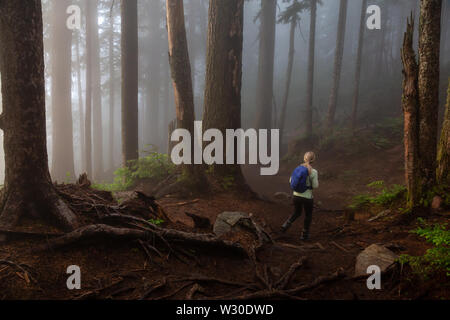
[
  {"x": 81, "y": 128},
  {"x": 61, "y": 78},
  {"x": 337, "y": 64},
  {"x": 153, "y": 83},
  {"x": 224, "y": 76},
  {"x": 443, "y": 158},
  {"x": 181, "y": 76},
  {"x": 288, "y": 77},
  {"x": 362, "y": 28},
  {"x": 410, "y": 105},
  {"x": 130, "y": 131},
  {"x": 264, "y": 92},
  {"x": 97, "y": 119},
  {"x": 88, "y": 111},
  {"x": 310, "y": 79},
  {"x": 429, "y": 48},
  {"x": 28, "y": 190},
  {"x": 112, "y": 94}
]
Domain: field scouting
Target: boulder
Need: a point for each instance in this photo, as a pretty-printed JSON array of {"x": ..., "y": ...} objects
[{"x": 374, "y": 255}]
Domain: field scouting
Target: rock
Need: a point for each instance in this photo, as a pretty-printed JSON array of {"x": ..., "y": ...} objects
[
  {"x": 374, "y": 255},
  {"x": 282, "y": 196},
  {"x": 239, "y": 222},
  {"x": 380, "y": 215},
  {"x": 227, "y": 221},
  {"x": 436, "y": 204}
]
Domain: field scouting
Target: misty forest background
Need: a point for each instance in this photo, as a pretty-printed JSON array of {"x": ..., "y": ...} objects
[{"x": 83, "y": 72}]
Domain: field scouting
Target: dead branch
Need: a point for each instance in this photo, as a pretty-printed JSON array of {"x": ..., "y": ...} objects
[
  {"x": 284, "y": 280},
  {"x": 319, "y": 281}
]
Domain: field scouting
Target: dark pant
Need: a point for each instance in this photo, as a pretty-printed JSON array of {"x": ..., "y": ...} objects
[{"x": 301, "y": 204}]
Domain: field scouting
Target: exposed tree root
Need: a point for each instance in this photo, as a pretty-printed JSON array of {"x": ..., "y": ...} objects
[
  {"x": 284, "y": 280},
  {"x": 102, "y": 231}
]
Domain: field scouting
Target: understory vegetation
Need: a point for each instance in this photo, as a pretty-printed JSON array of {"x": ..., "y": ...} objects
[
  {"x": 155, "y": 166},
  {"x": 437, "y": 258},
  {"x": 385, "y": 196}
]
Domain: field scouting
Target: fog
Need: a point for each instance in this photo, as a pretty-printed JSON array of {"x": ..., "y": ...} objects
[{"x": 380, "y": 83}]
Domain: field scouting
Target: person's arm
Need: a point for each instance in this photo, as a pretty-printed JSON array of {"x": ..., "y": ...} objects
[{"x": 315, "y": 179}]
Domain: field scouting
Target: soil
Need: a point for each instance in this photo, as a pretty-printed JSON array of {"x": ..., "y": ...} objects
[{"x": 123, "y": 270}]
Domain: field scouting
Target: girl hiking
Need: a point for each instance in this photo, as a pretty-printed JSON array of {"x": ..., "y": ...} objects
[{"x": 303, "y": 181}]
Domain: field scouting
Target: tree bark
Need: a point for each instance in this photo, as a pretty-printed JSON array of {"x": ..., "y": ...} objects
[
  {"x": 61, "y": 78},
  {"x": 264, "y": 94},
  {"x": 410, "y": 105},
  {"x": 332, "y": 104},
  {"x": 443, "y": 158},
  {"x": 288, "y": 77},
  {"x": 310, "y": 80},
  {"x": 224, "y": 75},
  {"x": 130, "y": 132},
  {"x": 28, "y": 189},
  {"x": 362, "y": 29},
  {"x": 428, "y": 80},
  {"x": 181, "y": 75}
]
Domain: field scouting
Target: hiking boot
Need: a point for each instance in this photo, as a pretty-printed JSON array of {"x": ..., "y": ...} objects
[{"x": 305, "y": 236}]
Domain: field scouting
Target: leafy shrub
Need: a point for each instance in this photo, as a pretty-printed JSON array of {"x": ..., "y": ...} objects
[
  {"x": 385, "y": 196},
  {"x": 154, "y": 166},
  {"x": 435, "y": 259}
]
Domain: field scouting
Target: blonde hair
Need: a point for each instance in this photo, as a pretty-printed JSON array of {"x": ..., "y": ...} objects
[{"x": 309, "y": 158}]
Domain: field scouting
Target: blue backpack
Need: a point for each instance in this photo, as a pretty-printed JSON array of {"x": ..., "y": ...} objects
[{"x": 299, "y": 178}]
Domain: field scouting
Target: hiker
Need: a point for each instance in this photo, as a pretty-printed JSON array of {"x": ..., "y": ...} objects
[{"x": 303, "y": 180}]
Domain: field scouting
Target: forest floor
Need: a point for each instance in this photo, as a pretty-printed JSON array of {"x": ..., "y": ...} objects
[{"x": 123, "y": 270}]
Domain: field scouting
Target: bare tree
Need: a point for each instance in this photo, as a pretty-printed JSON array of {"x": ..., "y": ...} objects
[{"x": 310, "y": 78}]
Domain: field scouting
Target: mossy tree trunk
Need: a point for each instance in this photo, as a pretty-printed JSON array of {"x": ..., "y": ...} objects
[
  {"x": 410, "y": 107},
  {"x": 443, "y": 159},
  {"x": 28, "y": 190},
  {"x": 428, "y": 82}
]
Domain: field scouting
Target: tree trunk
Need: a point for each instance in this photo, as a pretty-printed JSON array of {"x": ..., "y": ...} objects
[
  {"x": 337, "y": 64},
  {"x": 88, "y": 111},
  {"x": 181, "y": 75},
  {"x": 130, "y": 131},
  {"x": 28, "y": 190},
  {"x": 362, "y": 28},
  {"x": 112, "y": 94},
  {"x": 224, "y": 76},
  {"x": 443, "y": 174},
  {"x": 410, "y": 105},
  {"x": 310, "y": 79},
  {"x": 61, "y": 78},
  {"x": 97, "y": 119},
  {"x": 429, "y": 48},
  {"x": 288, "y": 77},
  {"x": 264, "y": 94},
  {"x": 80, "y": 110}
]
